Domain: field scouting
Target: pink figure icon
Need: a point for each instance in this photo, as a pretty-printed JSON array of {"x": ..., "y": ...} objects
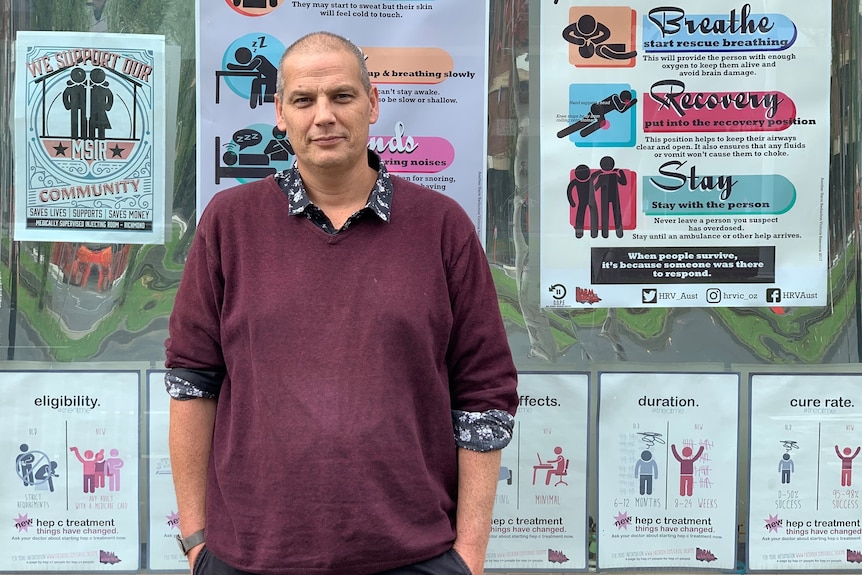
[
  {"x": 686, "y": 468},
  {"x": 88, "y": 461},
  {"x": 114, "y": 463},
  {"x": 100, "y": 469},
  {"x": 847, "y": 464}
]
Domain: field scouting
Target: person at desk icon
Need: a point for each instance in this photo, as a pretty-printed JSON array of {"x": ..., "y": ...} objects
[
  {"x": 558, "y": 466},
  {"x": 263, "y": 85}
]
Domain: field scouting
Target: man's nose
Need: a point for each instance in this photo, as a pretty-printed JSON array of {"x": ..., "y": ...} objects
[{"x": 324, "y": 111}]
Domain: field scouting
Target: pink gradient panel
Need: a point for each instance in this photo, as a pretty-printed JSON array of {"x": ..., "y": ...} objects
[
  {"x": 718, "y": 112},
  {"x": 431, "y": 155}
]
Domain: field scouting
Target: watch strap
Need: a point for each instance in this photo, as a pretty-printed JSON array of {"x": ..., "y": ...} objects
[{"x": 193, "y": 540}]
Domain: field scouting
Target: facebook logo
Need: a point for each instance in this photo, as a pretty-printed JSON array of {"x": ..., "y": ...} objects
[{"x": 773, "y": 295}]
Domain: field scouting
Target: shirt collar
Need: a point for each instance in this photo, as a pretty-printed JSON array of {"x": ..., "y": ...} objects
[{"x": 379, "y": 200}]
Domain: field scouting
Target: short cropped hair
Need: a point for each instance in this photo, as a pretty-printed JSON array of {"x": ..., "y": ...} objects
[{"x": 321, "y": 42}]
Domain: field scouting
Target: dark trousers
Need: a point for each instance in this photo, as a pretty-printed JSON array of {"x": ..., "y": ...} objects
[
  {"x": 646, "y": 484},
  {"x": 449, "y": 563}
]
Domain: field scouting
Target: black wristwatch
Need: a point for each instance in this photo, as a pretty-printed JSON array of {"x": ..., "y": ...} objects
[{"x": 187, "y": 543}]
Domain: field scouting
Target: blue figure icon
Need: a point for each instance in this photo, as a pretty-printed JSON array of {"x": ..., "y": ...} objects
[{"x": 646, "y": 469}]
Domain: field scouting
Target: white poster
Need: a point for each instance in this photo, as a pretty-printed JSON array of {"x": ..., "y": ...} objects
[
  {"x": 70, "y": 479},
  {"x": 685, "y": 153},
  {"x": 163, "y": 520},
  {"x": 667, "y": 470},
  {"x": 90, "y": 133},
  {"x": 540, "y": 515},
  {"x": 427, "y": 58},
  {"x": 804, "y": 511}
]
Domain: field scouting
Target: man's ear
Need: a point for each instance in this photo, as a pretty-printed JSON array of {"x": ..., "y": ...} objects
[
  {"x": 279, "y": 121},
  {"x": 375, "y": 105}
]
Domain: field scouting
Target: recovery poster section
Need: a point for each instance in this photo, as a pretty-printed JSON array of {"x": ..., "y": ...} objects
[
  {"x": 685, "y": 153},
  {"x": 70, "y": 479},
  {"x": 667, "y": 470},
  {"x": 540, "y": 513},
  {"x": 163, "y": 520},
  {"x": 427, "y": 60},
  {"x": 90, "y": 138},
  {"x": 804, "y": 511}
]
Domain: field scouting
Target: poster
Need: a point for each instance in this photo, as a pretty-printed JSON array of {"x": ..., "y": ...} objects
[
  {"x": 684, "y": 153},
  {"x": 90, "y": 138},
  {"x": 163, "y": 520},
  {"x": 70, "y": 471},
  {"x": 804, "y": 511},
  {"x": 667, "y": 470},
  {"x": 540, "y": 514},
  {"x": 427, "y": 59}
]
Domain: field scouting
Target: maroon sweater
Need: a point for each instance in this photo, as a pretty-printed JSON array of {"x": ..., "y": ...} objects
[{"x": 333, "y": 451}]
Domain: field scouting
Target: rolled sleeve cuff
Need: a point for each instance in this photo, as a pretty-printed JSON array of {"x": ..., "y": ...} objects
[
  {"x": 482, "y": 430},
  {"x": 191, "y": 384}
]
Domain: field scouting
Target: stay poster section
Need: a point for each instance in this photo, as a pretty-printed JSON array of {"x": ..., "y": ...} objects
[
  {"x": 684, "y": 153},
  {"x": 70, "y": 479}
]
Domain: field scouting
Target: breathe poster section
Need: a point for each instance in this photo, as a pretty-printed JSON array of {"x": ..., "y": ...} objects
[
  {"x": 540, "y": 514},
  {"x": 70, "y": 481},
  {"x": 90, "y": 137},
  {"x": 667, "y": 470},
  {"x": 427, "y": 60},
  {"x": 806, "y": 457},
  {"x": 685, "y": 154},
  {"x": 163, "y": 521}
]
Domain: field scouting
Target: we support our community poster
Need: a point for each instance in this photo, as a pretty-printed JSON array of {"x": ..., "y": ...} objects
[
  {"x": 540, "y": 512},
  {"x": 667, "y": 455},
  {"x": 684, "y": 153},
  {"x": 427, "y": 59},
  {"x": 90, "y": 133},
  {"x": 70, "y": 471},
  {"x": 806, "y": 453}
]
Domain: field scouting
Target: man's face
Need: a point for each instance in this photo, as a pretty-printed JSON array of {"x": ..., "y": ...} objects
[{"x": 325, "y": 110}]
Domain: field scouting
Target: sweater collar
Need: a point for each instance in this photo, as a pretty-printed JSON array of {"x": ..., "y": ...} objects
[{"x": 379, "y": 200}]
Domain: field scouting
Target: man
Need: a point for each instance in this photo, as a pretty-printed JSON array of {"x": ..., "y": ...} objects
[{"x": 338, "y": 333}]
